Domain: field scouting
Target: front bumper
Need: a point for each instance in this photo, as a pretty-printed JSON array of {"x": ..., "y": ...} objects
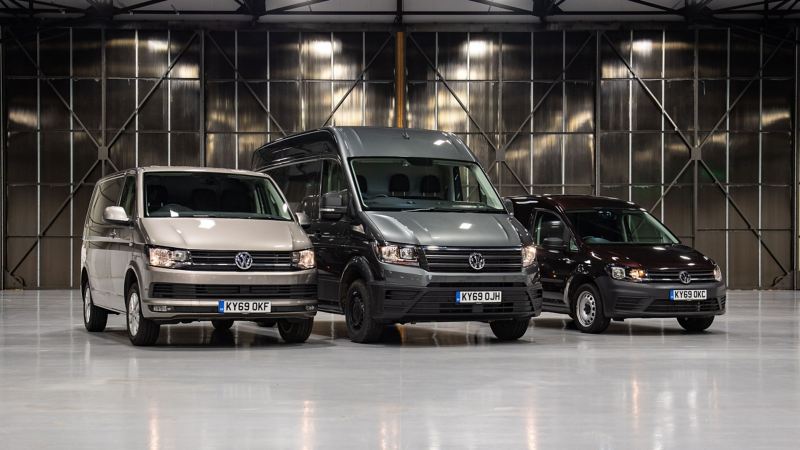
[
  {"x": 623, "y": 299},
  {"x": 411, "y": 294},
  {"x": 195, "y": 295}
]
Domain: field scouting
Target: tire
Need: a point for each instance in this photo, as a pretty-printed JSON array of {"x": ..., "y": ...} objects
[
  {"x": 265, "y": 323},
  {"x": 361, "y": 327},
  {"x": 695, "y": 324},
  {"x": 94, "y": 318},
  {"x": 222, "y": 324},
  {"x": 587, "y": 310},
  {"x": 509, "y": 330},
  {"x": 141, "y": 331},
  {"x": 295, "y": 331}
]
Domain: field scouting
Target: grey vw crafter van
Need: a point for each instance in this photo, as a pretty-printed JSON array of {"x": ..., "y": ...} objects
[
  {"x": 177, "y": 244},
  {"x": 406, "y": 228}
]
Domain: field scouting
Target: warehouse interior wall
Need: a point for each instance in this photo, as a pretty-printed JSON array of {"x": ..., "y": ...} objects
[{"x": 696, "y": 125}]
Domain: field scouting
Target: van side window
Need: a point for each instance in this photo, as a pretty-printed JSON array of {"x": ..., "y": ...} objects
[
  {"x": 107, "y": 194},
  {"x": 548, "y": 225},
  {"x": 333, "y": 180},
  {"x": 300, "y": 184},
  {"x": 128, "y": 200}
]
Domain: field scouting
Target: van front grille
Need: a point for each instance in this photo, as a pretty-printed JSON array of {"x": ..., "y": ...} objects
[
  {"x": 225, "y": 261},
  {"x": 456, "y": 259},
  {"x": 234, "y": 291},
  {"x": 673, "y": 276}
]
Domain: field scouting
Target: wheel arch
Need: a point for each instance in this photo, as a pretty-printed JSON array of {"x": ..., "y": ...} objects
[
  {"x": 356, "y": 268},
  {"x": 575, "y": 281}
]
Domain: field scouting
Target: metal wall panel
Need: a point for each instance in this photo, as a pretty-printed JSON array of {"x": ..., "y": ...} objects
[{"x": 534, "y": 94}]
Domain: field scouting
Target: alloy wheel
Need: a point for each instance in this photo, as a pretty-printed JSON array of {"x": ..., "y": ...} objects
[
  {"x": 357, "y": 309},
  {"x": 133, "y": 313},
  {"x": 87, "y": 304}
]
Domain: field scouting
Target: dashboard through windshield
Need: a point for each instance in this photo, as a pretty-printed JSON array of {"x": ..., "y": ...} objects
[{"x": 424, "y": 184}]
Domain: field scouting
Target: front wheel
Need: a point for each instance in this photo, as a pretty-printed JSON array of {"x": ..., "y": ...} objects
[
  {"x": 509, "y": 330},
  {"x": 94, "y": 318},
  {"x": 141, "y": 331},
  {"x": 361, "y": 327},
  {"x": 588, "y": 314},
  {"x": 695, "y": 324},
  {"x": 295, "y": 331}
]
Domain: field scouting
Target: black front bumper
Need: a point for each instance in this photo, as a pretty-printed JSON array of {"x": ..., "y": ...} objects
[
  {"x": 436, "y": 302},
  {"x": 623, "y": 299}
]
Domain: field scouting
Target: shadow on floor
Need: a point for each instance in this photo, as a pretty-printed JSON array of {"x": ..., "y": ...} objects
[{"x": 642, "y": 327}]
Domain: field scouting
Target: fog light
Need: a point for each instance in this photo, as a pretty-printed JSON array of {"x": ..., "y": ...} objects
[{"x": 161, "y": 308}]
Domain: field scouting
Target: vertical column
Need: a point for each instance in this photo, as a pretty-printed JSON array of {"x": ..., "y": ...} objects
[
  {"x": 598, "y": 73},
  {"x": 693, "y": 154},
  {"x": 563, "y": 112},
  {"x": 136, "y": 99},
  {"x": 663, "y": 120},
  {"x": 202, "y": 74},
  {"x": 2, "y": 164},
  {"x": 104, "y": 148},
  {"x": 400, "y": 79},
  {"x": 795, "y": 127},
  {"x": 169, "y": 100},
  {"x": 71, "y": 171},
  {"x": 39, "y": 75},
  {"x": 760, "y": 152},
  {"x": 727, "y": 156},
  {"x": 236, "y": 97}
]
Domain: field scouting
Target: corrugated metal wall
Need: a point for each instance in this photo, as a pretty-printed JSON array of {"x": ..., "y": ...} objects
[{"x": 526, "y": 102}]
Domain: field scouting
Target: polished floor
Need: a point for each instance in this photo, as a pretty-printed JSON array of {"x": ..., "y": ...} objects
[{"x": 643, "y": 384}]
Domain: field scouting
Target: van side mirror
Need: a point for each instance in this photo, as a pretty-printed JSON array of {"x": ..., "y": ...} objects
[
  {"x": 333, "y": 206},
  {"x": 116, "y": 215},
  {"x": 554, "y": 243},
  {"x": 302, "y": 219},
  {"x": 509, "y": 206}
]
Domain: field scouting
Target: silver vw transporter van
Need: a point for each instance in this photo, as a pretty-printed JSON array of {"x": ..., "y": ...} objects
[
  {"x": 407, "y": 228},
  {"x": 177, "y": 244}
]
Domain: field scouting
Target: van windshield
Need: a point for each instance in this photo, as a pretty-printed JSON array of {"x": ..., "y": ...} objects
[
  {"x": 424, "y": 184},
  {"x": 619, "y": 226},
  {"x": 209, "y": 194}
]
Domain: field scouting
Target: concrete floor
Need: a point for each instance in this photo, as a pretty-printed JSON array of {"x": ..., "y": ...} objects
[{"x": 643, "y": 384}]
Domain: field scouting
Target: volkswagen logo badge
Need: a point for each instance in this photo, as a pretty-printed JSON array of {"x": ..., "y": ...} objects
[
  {"x": 243, "y": 260},
  {"x": 476, "y": 261},
  {"x": 685, "y": 277}
]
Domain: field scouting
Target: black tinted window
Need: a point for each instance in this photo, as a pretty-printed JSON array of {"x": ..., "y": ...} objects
[
  {"x": 128, "y": 200},
  {"x": 548, "y": 225},
  {"x": 106, "y": 194},
  {"x": 209, "y": 194},
  {"x": 300, "y": 184}
]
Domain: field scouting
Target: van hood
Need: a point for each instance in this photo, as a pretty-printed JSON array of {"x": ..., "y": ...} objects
[
  {"x": 667, "y": 256},
  {"x": 456, "y": 229},
  {"x": 195, "y": 233}
]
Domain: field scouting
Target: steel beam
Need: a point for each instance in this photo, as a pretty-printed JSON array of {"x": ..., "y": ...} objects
[{"x": 246, "y": 84}]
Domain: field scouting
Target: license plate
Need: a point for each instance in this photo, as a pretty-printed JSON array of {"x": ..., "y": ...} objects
[
  {"x": 688, "y": 294},
  {"x": 244, "y": 306},
  {"x": 479, "y": 296}
]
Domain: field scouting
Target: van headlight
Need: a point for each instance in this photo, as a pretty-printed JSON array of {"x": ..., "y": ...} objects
[
  {"x": 528, "y": 255},
  {"x": 626, "y": 274},
  {"x": 717, "y": 273},
  {"x": 406, "y": 255},
  {"x": 303, "y": 259},
  {"x": 168, "y": 257}
]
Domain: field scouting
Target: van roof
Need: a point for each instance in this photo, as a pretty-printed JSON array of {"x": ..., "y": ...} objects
[
  {"x": 400, "y": 142},
  {"x": 356, "y": 142},
  {"x": 154, "y": 169},
  {"x": 571, "y": 202}
]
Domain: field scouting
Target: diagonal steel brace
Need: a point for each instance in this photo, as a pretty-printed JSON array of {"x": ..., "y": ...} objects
[
  {"x": 246, "y": 83},
  {"x": 358, "y": 80}
]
